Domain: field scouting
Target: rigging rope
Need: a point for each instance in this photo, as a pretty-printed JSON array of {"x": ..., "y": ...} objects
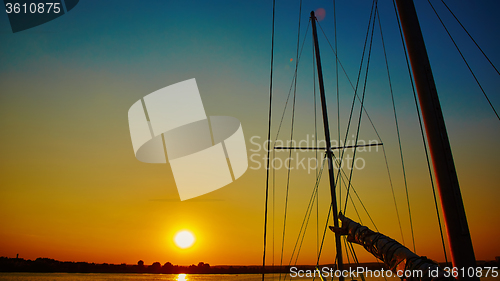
[
  {"x": 291, "y": 85},
  {"x": 352, "y": 85},
  {"x": 397, "y": 129},
  {"x": 307, "y": 222},
  {"x": 309, "y": 211},
  {"x": 373, "y": 126},
  {"x": 324, "y": 233},
  {"x": 291, "y": 137},
  {"x": 307, "y": 215},
  {"x": 330, "y": 210},
  {"x": 315, "y": 193},
  {"x": 346, "y": 253},
  {"x": 423, "y": 137},
  {"x": 351, "y": 248},
  {"x": 385, "y": 156},
  {"x": 357, "y": 136},
  {"x": 350, "y": 117},
  {"x": 337, "y": 78},
  {"x": 418, "y": 112},
  {"x": 470, "y": 36},
  {"x": 281, "y": 121},
  {"x": 274, "y": 201},
  {"x": 359, "y": 218},
  {"x": 316, "y": 144},
  {"x": 277, "y": 135},
  {"x": 268, "y": 142},
  {"x": 356, "y": 88},
  {"x": 362, "y": 103},
  {"x": 363, "y": 109},
  {"x": 463, "y": 58},
  {"x": 359, "y": 199}
]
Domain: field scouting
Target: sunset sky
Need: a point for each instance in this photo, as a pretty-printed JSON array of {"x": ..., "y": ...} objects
[{"x": 71, "y": 188}]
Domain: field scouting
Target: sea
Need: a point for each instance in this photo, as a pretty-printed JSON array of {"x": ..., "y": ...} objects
[{"x": 168, "y": 277}]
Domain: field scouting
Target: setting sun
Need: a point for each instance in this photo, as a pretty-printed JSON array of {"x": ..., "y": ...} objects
[{"x": 184, "y": 239}]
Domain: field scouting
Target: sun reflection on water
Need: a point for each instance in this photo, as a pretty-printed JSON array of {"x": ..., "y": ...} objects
[{"x": 182, "y": 277}]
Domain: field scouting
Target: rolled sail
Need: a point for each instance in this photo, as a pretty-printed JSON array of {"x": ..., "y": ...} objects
[{"x": 397, "y": 257}]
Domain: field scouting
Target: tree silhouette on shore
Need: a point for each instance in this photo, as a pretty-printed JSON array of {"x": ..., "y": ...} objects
[{"x": 51, "y": 265}]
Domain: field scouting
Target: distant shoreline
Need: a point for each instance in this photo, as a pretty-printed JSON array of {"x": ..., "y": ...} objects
[{"x": 46, "y": 265}]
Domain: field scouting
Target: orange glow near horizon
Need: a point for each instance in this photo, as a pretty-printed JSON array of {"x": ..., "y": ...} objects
[{"x": 71, "y": 188}]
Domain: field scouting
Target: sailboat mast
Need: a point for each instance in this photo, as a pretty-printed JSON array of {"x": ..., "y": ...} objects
[
  {"x": 329, "y": 152},
  {"x": 462, "y": 252}
]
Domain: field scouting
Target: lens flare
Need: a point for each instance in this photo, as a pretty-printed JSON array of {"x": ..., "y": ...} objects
[{"x": 320, "y": 14}]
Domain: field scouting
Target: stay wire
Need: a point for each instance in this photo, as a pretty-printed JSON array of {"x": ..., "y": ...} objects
[
  {"x": 307, "y": 222},
  {"x": 397, "y": 130},
  {"x": 350, "y": 117},
  {"x": 463, "y": 58},
  {"x": 470, "y": 36},
  {"x": 330, "y": 210},
  {"x": 344, "y": 174},
  {"x": 359, "y": 218},
  {"x": 268, "y": 143},
  {"x": 365, "y": 111},
  {"x": 274, "y": 201},
  {"x": 424, "y": 143},
  {"x": 337, "y": 77},
  {"x": 346, "y": 253},
  {"x": 357, "y": 83},
  {"x": 359, "y": 199},
  {"x": 371, "y": 122},
  {"x": 354, "y": 206},
  {"x": 291, "y": 85},
  {"x": 307, "y": 216},
  {"x": 367, "y": 115},
  {"x": 356, "y": 88},
  {"x": 421, "y": 132},
  {"x": 316, "y": 142},
  {"x": 362, "y": 103},
  {"x": 352, "y": 85},
  {"x": 349, "y": 244},
  {"x": 326, "y": 225},
  {"x": 324, "y": 233},
  {"x": 477, "y": 45},
  {"x": 355, "y": 257},
  {"x": 291, "y": 137},
  {"x": 418, "y": 113},
  {"x": 309, "y": 211}
]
